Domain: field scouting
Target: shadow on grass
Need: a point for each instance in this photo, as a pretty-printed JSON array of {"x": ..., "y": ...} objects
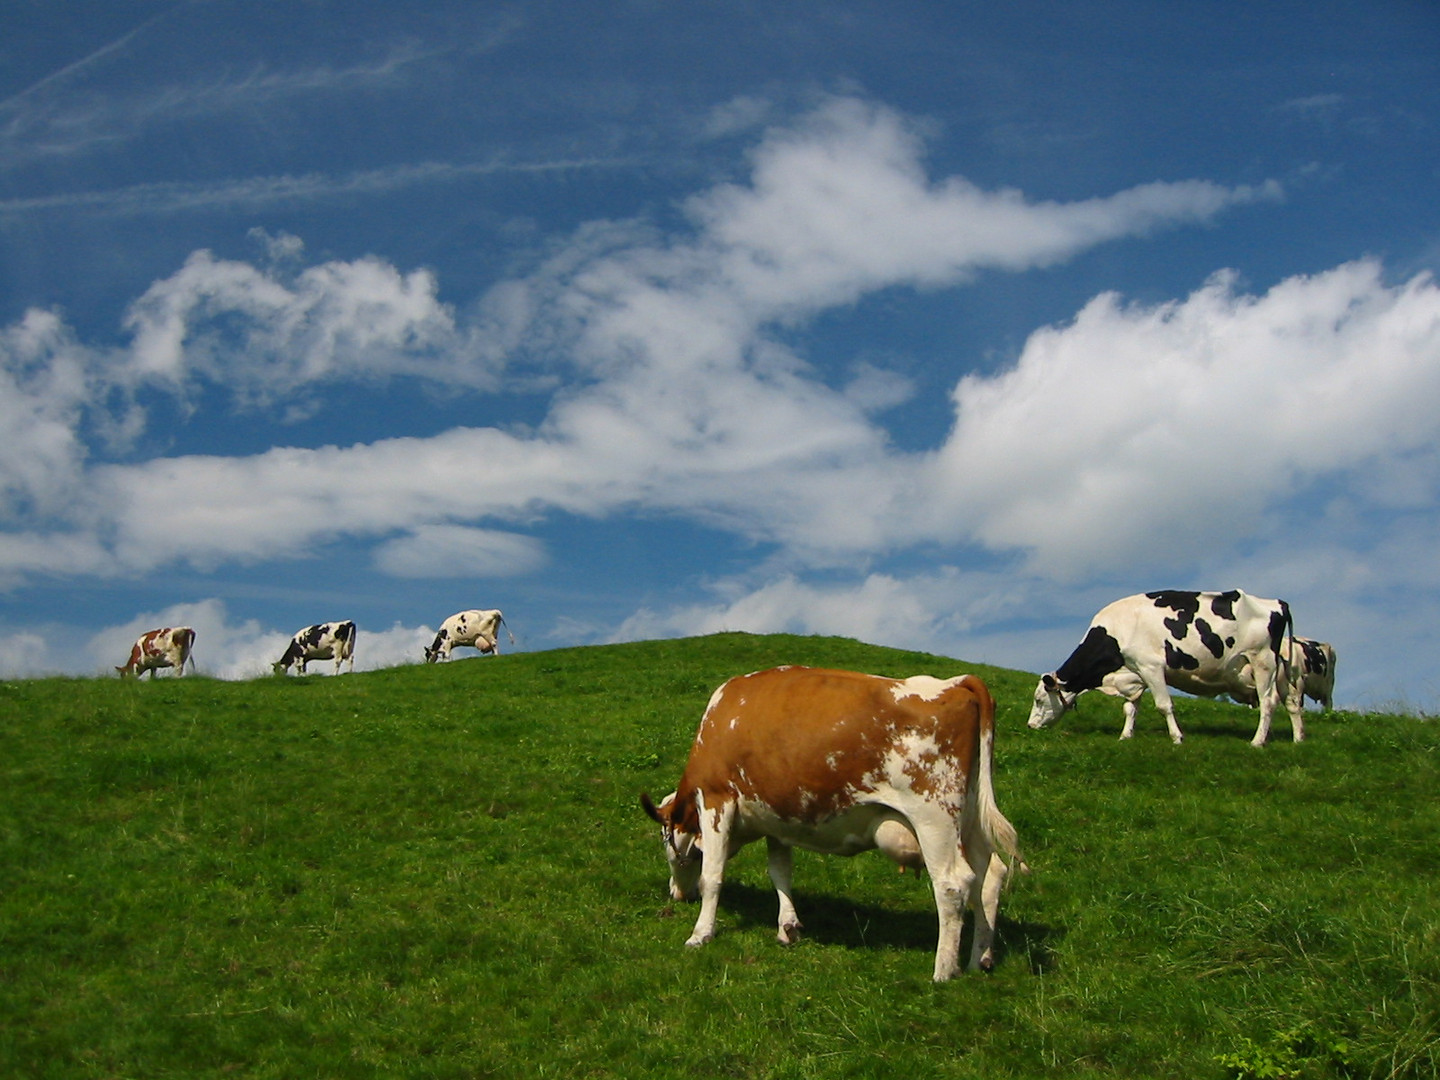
[{"x": 840, "y": 921}]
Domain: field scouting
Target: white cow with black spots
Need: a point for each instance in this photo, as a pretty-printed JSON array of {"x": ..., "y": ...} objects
[
  {"x": 1198, "y": 642},
  {"x": 475, "y": 628}
]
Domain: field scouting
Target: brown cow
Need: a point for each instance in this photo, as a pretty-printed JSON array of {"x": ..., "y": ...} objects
[
  {"x": 169, "y": 647},
  {"x": 840, "y": 762}
]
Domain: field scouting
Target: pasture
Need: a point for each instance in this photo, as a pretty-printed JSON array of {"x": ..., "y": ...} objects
[{"x": 443, "y": 871}]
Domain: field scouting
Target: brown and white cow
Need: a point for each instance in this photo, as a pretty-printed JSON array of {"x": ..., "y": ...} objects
[
  {"x": 169, "y": 647},
  {"x": 479, "y": 629},
  {"x": 324, "y": 641},
  {"x": 841, "y": 762}
]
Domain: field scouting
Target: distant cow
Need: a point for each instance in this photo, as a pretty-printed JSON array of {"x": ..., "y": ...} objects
[
  {"x": 1199, "y": 642},
  {"x": 169, "y": 647},
  {"x": 1314, "y": 668},
  {"x": 327, "y": 641},
  {"x": 839, "y": 762},
  {"x": 1311, "y": 674},
  {"x": 480, "y": 629}
]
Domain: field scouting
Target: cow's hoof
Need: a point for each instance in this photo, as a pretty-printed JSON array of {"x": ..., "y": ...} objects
[
  {"x": 696, "y": 940},
  {"x": 789, "y": 934}
]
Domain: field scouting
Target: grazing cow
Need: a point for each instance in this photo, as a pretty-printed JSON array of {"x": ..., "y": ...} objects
[
  {"x": 1313, "y": 668},
  {"x": 1311, "y": 674},
  {"x": 327, "y": 641},
  {"x": 480, "y": 629},
  {"x": 839, "y": 762},
  {"x": 1199, "y": 642},
  {"x": 154, "y": 649}
]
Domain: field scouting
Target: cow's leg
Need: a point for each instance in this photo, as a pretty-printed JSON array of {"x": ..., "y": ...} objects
[
  {"x": 1160, "y": 691},
  {"x": 1131, "y": 708},
  {"x": 951, "y": 878},
  {"x": 781, "y": 864},
  {"x": 1269, "y": 685},
  {"x": 985, "y": 903},
  {"x": 715, "y": 842}
]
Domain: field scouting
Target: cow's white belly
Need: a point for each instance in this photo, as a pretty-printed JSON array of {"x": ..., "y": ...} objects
[{"x": 860, "y": 828}]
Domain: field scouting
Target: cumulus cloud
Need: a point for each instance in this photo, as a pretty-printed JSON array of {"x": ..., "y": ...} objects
[
  {"x": 263, "y": 336},
  {"x": 681, "y": 394},
  {"x": 1147, "y": 435}
]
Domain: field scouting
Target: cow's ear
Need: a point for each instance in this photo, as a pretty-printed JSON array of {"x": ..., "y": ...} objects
[
  {"x": 1050, "y": 683},
  {"x": 650, "y": 809}
]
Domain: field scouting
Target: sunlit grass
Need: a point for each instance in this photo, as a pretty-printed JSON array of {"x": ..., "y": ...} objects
[{"x": 442, "y": 871}]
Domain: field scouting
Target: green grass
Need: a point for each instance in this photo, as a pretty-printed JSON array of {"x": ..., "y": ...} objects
[{"x": 443, "y": 872}]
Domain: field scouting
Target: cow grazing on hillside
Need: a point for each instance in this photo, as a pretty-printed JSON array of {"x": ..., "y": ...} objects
[
  {"x": 1313, "y": 667},
  {"x": 325, "y": 641},
  {"x": 168, "y": 647},
  {"x": 1311, "y": 673},
  {"x": 480, "y": 629},
  {"x": 1198, "y": 642},
  {"x": 839, "y": 762}
]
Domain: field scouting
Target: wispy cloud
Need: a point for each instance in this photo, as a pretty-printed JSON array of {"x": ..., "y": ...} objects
[
  {"x": 61, "y": 116},
  {"x": 250, "y": 192}
]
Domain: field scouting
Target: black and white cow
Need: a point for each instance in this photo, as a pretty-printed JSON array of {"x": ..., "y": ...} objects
[
  {"x": 1198, "y": 642},
  {"x": 1311, "y": 674},
  {"x": 479, "y": 629},
  {"x": 326, "y": 641},
  {"x": 1313, "y": 667}
]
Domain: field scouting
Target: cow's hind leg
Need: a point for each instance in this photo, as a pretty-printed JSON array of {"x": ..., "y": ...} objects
[
  {"x": 951, "y": 878},
  {"x": 781, "y": 865},
  {"x": 985, "y": 904}
]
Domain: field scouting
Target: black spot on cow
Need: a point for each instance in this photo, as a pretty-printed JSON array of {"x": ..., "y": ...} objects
[
  {"x": 1280, "y": 622},
  {"x": 1210, "y": 639},
  {"x": 1176, "y": 660},
  {"x": 311, "y": 637},
  {"x": 1184, "y": 604},
  {"x": 1094, "y": 658},
  {"x": 1315, "y": 658},
  {"x": 1224, "y": 604}
]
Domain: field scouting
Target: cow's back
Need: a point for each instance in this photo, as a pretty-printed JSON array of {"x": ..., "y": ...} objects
[{"x": 805, "y": 741}]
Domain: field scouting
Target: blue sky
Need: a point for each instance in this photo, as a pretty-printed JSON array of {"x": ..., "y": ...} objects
[{"x": 936, "y": 325}]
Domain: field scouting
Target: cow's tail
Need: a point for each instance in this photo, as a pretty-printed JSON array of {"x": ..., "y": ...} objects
[
  {"x": 996, "y": 826},
  {"x": 503, "y": 623},
  {"x": 1286, "y": 662}
]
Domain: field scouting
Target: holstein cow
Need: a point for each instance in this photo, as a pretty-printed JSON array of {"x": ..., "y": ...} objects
[
  {"x": 839, "y": 762},
  {"x": 1311, "y": 673},
  {"x": 480, "y": 629},
  {"x": 1313, "y": 667},
  {"x": 327, "y": 641},
  {"x": 169, "y": 647},
  {"x": 1198, "y": 642}
]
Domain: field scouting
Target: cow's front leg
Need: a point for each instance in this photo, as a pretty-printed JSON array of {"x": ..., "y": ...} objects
[
  {"x": 715, "y": 843},
  {"x": 1131, "y": 708},
  {"x": 1160, "y": 691},
  {"x": 781, "y": 864}
]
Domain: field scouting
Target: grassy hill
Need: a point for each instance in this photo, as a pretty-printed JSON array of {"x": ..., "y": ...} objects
[{"x": 443, "y": 872}]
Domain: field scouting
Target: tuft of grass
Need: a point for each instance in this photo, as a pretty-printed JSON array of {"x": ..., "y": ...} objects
[{"x": 442, "y": 871}]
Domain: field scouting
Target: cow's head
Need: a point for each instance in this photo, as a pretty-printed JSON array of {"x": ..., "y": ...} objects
[
  {"x": 1052, "y": 701},
  {"x": 682, "y": 845}
]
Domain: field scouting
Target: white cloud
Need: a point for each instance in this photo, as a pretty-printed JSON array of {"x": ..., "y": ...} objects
[
  {"x": 263, "y": 336},
  {"x": 447, "y": 551},
  {"x": 689, "y": 404},
  {"x": 1147, "y": 436}
]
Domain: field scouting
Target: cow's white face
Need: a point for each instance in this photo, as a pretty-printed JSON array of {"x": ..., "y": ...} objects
[
  {"x": 1051, "y": 701},
  {"x": 682, "y": 852}
]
